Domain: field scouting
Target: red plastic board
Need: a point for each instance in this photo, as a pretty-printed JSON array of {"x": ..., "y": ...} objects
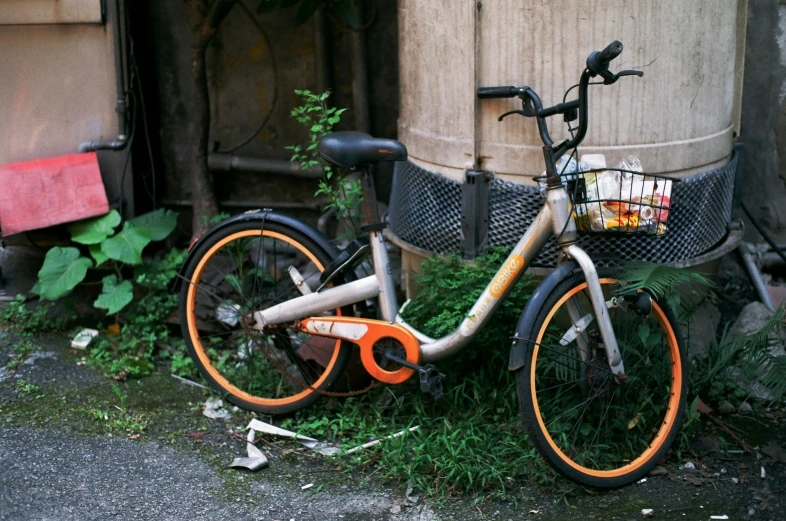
[{"x": 45, "y": 192}]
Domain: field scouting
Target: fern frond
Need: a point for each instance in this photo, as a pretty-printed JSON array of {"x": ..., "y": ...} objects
[
  {"x": 774, "y": 377},
  {"x": 758, "y": 359},
  {"x": 657, "y": 279}
]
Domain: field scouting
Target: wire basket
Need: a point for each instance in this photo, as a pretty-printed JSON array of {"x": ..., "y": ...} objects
[{"x": 618, "y": 201}]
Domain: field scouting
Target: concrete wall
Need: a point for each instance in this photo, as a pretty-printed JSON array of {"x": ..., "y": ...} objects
[
  {"x": 57, "y": 88},
  {"x": 764, "y": 117},
  {"x": 57, "y": 82}
]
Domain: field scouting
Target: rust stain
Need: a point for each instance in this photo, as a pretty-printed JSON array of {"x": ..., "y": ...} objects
[
  {"x": 261, "y": 93},
  {"x": 257, "y": 51}
]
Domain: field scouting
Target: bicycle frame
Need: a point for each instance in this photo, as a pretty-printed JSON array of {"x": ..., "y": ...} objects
[{"x": 554, "y": 219}]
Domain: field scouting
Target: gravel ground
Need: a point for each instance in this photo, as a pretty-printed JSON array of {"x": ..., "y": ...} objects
[
  {"x": 47, "y": 475},
  {"x": 54, "y": 465}
]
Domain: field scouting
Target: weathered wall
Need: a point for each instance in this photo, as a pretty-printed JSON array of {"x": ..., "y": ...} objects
[
  {"x": 26, "y": 12},
  {"x": 242, "y": 81},
  {"x": 57, "y": 83},
  {"x": 251, "y": 58},
  {"x": 764, "y": 117}
]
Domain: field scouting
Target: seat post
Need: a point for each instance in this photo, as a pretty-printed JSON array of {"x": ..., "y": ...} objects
[
  {"x": 370, "y": 209},
  {"x": 388, "y": 303}
]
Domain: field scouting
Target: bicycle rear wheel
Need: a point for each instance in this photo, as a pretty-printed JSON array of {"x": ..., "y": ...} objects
[
  {"x": 249, "y": 266},
  {"x": 590, "y": 426}
]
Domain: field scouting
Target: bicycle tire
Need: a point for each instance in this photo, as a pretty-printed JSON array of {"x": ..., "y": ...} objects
[
  {"x": 635, "y": 438},
  {"x": 250, "y": 372}
]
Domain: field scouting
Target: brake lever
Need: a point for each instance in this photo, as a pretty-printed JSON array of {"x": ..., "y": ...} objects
[
  {"x": 520, "y": 112},
  {"x": 614, "y": 77}
]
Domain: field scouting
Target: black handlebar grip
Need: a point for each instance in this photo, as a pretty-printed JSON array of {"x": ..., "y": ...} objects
[
  {"x": 604, "y": 57},
  {"x": 498, "y": 92}
]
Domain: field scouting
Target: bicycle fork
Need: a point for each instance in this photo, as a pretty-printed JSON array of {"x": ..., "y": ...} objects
[{"x": 564, "y": 229}]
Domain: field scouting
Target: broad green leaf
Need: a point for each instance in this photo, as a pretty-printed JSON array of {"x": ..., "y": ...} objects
[
  {"x": 160, "y": 223},
  {"x": 98, "y": 255},
  {"x": 115, "y": 296},
  {"x": 127, "y": 245},
  {"x": 307, "y": 8},
  {"x": 95, "y": 230},
  {"x": 344, "y": 9},
  {"x": 63, "y": 269},
  {"x": 267, "y": 5}
]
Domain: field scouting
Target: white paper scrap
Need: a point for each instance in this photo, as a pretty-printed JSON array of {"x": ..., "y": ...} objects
[
  {"x": 214, "y": 409},
  {"x": 326, "y": 449},
  {"x": 376, "y": 442},
  {"x": 83, "y": 338},
  {"x": 256, "y": 458},
  {"x": 261, "y": 426}
]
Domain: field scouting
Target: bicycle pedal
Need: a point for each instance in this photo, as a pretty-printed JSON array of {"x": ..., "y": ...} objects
[{"x": 431, "y": 380}]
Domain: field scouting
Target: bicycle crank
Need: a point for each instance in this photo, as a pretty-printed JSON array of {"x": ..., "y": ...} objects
[{"x": 367, "y": 333}]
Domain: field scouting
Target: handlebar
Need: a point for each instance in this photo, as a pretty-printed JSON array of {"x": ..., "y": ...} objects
[
  {"x": 498, "y": 92},
  {"x": 598, "y": 62},
  {"x": 597, "y": 65}
]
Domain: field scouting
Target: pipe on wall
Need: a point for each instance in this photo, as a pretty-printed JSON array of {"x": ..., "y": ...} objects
[
  {"x": 235, "y": 163},
  {"x": 273, "y": 205},
  {"x": 114, "y": 14}
]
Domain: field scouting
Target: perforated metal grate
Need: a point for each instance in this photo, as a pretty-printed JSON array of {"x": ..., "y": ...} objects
[{"x": 425, "y": 211}]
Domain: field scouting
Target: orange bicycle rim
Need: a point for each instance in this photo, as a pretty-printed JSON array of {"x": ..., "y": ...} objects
[
  {"x": 673, "y": 407},
  {"x": 199, "y": 348}
]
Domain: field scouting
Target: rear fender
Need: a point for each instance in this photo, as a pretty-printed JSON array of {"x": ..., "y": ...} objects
[{"x": 258, "y": 215}]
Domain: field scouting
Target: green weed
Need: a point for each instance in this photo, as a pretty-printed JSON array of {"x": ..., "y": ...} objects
[
  {"x": 471, "y": 442},
  {"x": 26, "y": 320},
  {"x": 143, "y": 336},
  {"x": 344, "y": 195},
  {"x": 26, "y": 388},
  {"x": 22, "y": 351},
  {"x": 118, "y": 418}
]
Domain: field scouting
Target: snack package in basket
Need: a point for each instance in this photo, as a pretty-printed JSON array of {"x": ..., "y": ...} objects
[{"x": 629, "y": 201}]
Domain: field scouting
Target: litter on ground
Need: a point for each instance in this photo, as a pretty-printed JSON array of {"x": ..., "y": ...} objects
[
  {"x": 214, "y": 409},
  {"x": 256, "y": 458},
  {"x": 83, "y": 338}
]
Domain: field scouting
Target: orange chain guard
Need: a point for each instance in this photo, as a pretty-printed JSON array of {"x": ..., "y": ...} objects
[{"x": 365, "y": 333}]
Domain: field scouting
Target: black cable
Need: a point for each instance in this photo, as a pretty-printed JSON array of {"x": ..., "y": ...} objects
[
  {"x": 143, "y": 105},
  {"x": 371, "y": 19},
  {"x": 763, "y": 233},
  {"x": 128, "y": 151},
  {"x": 143, "y": 108},
  {"x": 274, "y": 103}
]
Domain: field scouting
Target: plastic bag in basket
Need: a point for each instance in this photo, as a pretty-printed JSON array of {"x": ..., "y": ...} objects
[{"x": 624, "y": 201}]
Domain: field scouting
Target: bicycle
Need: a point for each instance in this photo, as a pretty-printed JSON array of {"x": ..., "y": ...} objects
[{"x": 271, "y": 308}]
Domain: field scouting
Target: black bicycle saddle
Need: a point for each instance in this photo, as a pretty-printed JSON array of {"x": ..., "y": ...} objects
[{"x": 351, "y": 149}]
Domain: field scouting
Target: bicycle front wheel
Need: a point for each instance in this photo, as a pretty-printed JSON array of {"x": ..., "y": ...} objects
[
  {"x": 591, "y": 426},
  {"x": 249, "y": 266}
]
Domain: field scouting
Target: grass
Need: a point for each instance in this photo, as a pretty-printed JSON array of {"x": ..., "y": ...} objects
[
  {"x": 472, "y": 441},
  {"x": 26, "y": 388},
  {"x": 27, "y": 320},
  {"x": 21, "y": 351}
]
